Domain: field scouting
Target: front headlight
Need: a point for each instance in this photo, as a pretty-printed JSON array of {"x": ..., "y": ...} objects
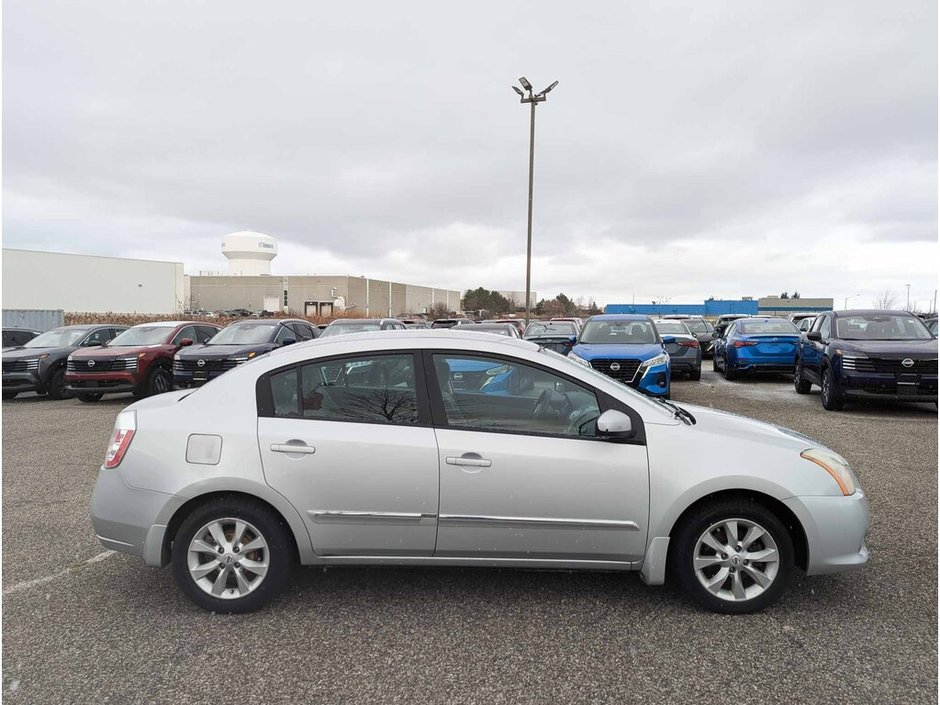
[
  {"x": 661, "y": 359},
  {"x": 835, "y": 465},
  {"x": 578, "y": 359}
]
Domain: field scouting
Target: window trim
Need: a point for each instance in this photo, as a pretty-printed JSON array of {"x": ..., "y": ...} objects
[
  {"x": 265, "y": 399},
  {"x": 605, "y": 401}
]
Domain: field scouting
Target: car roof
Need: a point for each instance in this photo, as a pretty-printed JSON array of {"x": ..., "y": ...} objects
[
  {"x": 872, "y": 312},
  {"x": 350, "y": 321},
  {"x": 620, "y": 317},
  {"x": 255, "y": 321}
]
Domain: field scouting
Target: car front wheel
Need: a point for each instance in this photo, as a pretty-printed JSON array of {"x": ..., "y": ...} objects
[
  {"x": 57, "y": 387},
  {"x": 232, "y": 555},
  {"x": 733, "y": 556},
  {"x": 831, "y": 396}
]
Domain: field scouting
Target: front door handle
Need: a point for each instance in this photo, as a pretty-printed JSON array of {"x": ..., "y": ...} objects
[
  {"x": 293, "y": 446},
  {"x": 473, "y": 460}
]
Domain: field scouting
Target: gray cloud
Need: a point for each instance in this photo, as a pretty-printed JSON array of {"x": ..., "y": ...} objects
[{"x": 384, "y": 138}]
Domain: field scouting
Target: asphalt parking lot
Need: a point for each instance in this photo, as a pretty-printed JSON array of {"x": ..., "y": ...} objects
[{"x": 81, "y": 625}]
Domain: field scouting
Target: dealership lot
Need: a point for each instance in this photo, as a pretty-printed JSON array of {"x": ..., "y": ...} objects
[{"x": 84, "y": 625}]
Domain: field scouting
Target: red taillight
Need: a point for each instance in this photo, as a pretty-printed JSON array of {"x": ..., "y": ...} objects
[
  {"x": 124, "y": 429},
  {"x": 688, "y": 343},
  {"x": 744, "y": 343}
]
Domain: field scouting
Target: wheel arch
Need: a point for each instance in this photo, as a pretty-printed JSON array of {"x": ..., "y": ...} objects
[
  {"x": 779, "y": 509},
  {"x": 301, "y": 549}
]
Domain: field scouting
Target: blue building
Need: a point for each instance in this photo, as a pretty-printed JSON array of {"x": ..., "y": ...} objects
[{"x": 766, "y": 306}]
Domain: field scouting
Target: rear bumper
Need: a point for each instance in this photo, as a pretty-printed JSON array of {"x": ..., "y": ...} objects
[
  {"x": 836, "y": 528},
  {"x": 131, "y": 520},
  {"x": 21, "y": 381},
  {"x": 104, "y": 383}
]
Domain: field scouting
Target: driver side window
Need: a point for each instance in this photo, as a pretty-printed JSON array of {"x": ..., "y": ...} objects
[
  {"x": 826, "y": 328},
  {"x": 493, "y": 394}
]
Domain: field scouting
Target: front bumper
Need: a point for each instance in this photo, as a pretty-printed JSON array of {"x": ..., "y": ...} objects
[
  {"x": 183, "y": 379},
  {"x": 104, "y": 383},
  {"x": 836, "y": 528},
  {"x": 131, "y": 520},
  {"x": 21, "y": 381},
  {"x": 655, "y": 382},
  {"x": 888, "y": 386}
]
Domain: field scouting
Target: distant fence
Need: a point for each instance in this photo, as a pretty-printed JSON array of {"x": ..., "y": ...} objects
[{"x": 33, "y": 319}]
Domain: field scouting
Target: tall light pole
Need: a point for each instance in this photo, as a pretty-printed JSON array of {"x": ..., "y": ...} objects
[
  {"x": 533, "y": 99},
  {"x": 908, "y": 297},
  {"x": 845, "y": 304}
]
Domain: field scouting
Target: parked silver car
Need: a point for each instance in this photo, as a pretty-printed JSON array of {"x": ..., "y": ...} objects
[{"x": 464, "y": 449}]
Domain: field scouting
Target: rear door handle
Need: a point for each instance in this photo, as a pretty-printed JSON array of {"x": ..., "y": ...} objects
[
  {"x": 473, "y": 460},
  {"x": 293, "y": 446}
]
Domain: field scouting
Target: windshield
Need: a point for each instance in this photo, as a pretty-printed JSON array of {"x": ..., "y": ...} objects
[
  {"x": 671, "y": 328},
  {"x": 555, "y": 329},
  {"x": 142, "y": 335},
  {"x": 244, "y": 334},
  {"x": 495, "y": 330},
  {"x": 880, "y": 326},
  {"x": 766, "y": 327},
  {"x": 344, "y": 328},
  {"x": 613, "y": 332},
  {"x": 58, "y": 338}
]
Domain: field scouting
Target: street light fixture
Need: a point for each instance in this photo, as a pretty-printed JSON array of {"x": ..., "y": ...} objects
[
  {"x": 908, "y": 297},
  {"x": 533, "y": 100},
  {"x": 845, "y": 304}
]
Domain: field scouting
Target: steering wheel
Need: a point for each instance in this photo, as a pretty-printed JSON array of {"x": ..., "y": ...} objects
[{"x": 552, "y": 405}]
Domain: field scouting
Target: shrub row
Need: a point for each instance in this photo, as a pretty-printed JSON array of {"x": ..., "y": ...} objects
[{"x": 133, "y": 319}]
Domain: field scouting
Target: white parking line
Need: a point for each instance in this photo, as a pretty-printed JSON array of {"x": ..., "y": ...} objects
[{"x": 49, "y": 578}]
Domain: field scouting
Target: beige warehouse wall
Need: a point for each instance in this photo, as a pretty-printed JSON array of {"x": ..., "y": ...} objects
[{"x": 55, "y": 280}]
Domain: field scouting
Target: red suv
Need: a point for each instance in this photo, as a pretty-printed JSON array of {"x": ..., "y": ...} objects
[{"x": 139, "y": 360}]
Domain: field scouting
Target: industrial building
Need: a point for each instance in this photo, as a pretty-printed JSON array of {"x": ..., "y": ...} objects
[
  {"x": 55, "y": 280},
  {"x": 712, "y": 308}
]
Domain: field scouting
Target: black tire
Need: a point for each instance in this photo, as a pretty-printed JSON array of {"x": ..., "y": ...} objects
[
  {"x": 89, "y": 397},
  {"x": 280, "y": 553},
  {"x": 831, "y": 396},
  {"x": 10, "y": 395},
  {"x": 706, "y": 516},
  {"x": 801, "y": 385},
  {"x": 715, "y": 363},
  {"x": 159, "y": 381},
  {"x": 730, "y": 374},
  {"x": 696, "y": 374},
  {"x": 56, "y": 386}
]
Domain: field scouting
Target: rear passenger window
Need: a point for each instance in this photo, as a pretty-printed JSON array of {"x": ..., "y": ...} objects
[
  {"x": 205, "y": 333},
  {"x": 284, "y": 393},
  {"x": 369, "y": 389},
  {"x": 302, "y": 332}
]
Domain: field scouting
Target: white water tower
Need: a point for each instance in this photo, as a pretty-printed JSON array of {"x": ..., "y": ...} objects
[{"x": 249, "y": 253}]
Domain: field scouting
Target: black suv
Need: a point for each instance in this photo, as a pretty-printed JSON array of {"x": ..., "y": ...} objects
[
  {"x": 868, "y": 355},
  {"x": 39, "y": 365},
  {"x": 236, "y": 344}
]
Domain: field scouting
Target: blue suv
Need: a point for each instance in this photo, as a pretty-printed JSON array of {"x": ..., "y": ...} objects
[{"x": 628, "y": 348}]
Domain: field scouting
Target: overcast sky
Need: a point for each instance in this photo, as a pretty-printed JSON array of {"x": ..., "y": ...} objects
[{"x": 690, "y": 150}]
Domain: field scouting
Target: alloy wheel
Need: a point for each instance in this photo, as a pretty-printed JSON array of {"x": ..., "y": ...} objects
[
  {"x": 228, "y": 558},
  {"x": 736, "y": 559}
]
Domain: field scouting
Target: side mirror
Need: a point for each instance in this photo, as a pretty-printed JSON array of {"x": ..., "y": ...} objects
[
  {"x": 92, "y": 344},
  {"x": 572, "y": 339},
  {"x": 669, "y": 339},
  {"x": 185, "y": 342},
  {"x": 289, "y": 341},
  {"x": 614, "y": 425},
  {"x": 716, "y": 334},
  {"x": 814, "y": 335}
]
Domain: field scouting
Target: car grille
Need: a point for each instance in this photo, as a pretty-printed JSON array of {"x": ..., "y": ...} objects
[
  {"x": 209, "y": 366},
  {"x": 874, "y": 364},
  {"x": 120, "y": 364},
  {"x": 627, "y": 370},
  {"x": 21, "y": 365}
]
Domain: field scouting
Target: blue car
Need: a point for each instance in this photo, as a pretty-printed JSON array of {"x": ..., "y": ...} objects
[
  {"x": 756, "y": 345},
  {"x": 628, "y": 348}
]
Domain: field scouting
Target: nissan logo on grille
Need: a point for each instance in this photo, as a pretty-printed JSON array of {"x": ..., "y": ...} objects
[
  {"x": 201, "y": 363},
  {"x": 907, "y": 362},
  {"x": 615, "y": 366},
  {"x": 91, "y": 363}
]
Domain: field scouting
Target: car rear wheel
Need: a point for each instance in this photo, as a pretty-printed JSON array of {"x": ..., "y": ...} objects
[
  {"x": 696, "y": 374},
  {"x": 733, "y": 556},
  {"x": 801, "y": 385},
  {"x": 232, "y": 555},
  {"x": 57, "y": 388},
  {"x": 831, "y": 396},
  {"x": 715, "y": 363},
  {"x": 729, "y": 373},
  {"x": 89, "y": 397}
]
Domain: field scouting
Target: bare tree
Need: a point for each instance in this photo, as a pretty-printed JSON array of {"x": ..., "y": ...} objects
[
  {"x": 438, "y": 310},
  {"x": 887, "y": 299}
]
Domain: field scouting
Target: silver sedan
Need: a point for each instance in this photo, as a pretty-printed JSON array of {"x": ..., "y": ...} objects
[{"x": 464, "y": 449}]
